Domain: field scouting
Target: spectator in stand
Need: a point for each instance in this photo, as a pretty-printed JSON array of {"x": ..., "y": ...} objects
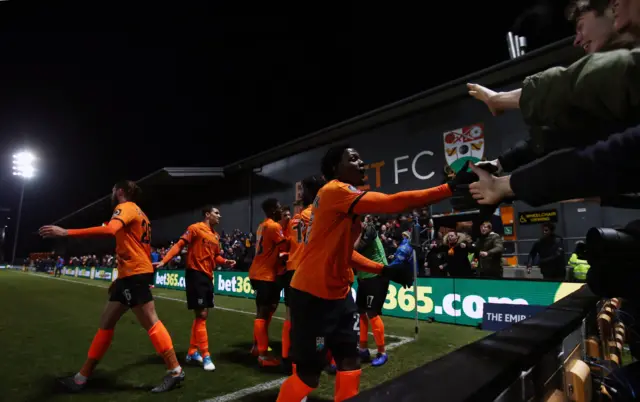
[
  {"x": 550, "y": 249},
  {"x": 436, "y": 259},
  {"x": 59, "y": 265},
  {"x": 404, "y": 253},
  {"x": 457, "y": 258},
  {"x": 155, "y": 256},
  {"x": 489, "y": 250},
  {"x": 578, "y": 262}
]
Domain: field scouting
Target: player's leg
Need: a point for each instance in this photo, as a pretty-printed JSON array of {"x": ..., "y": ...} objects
[
  {"x": 143, "y": 306},
  {"x": 308, "y": 349},
  {"x": 100, "y": 343},
  {"x": 199, "y": 289},
  {"x": 205, "y": 300},
  {"x": 374, "y": 313},
  {"x": 264, "y": 305},
  {"x": 259, "y": 287},
  {"x": 363, "y": 299},
  {"x": 343, "y": 342},
  {"x": 286, "y": 328}
]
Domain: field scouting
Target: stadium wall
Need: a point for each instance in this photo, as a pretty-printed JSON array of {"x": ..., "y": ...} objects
[{"x": 408, "y": 152}]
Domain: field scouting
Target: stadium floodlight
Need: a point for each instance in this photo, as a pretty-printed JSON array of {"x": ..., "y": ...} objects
[{"x": 23, "y": 166}]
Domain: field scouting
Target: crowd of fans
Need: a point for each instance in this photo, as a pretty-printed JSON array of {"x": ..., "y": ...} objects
[{"x": 442, "y": 253}]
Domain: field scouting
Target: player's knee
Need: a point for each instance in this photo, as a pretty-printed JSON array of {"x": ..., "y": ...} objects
[
  {"x": 202, "y": 314},
  {"x": 309, "y": 374},
  {"x": 264, "y": 312},
  {"x": 348, "y": 363}
]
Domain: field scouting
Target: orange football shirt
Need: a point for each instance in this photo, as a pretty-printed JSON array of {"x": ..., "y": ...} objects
[
  {"x": 133, "y": 241},
  {"x": 325, "y": 265},
  {"x": 204, "y": 247},
  {"x": 297, "y": 232},
  {"x": 270, "y": 241}
]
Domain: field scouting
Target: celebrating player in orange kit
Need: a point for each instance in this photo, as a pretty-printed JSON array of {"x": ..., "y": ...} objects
[
  {"x": 270, "y": 242},
  {"x": 323, "y": 312},
  {"x": 296, "y": 232},
  {"x": 132, "y": 231},
  {"x": 202, "y": 257}
]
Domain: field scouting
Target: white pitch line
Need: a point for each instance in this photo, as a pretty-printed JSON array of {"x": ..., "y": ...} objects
[
  {"x": 403, "y": 340},
  {"x": 277, "y": 383},
  {"x": 233, "y": 310}
]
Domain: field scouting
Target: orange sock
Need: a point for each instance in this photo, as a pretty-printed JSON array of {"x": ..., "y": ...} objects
[
  {"x": 293, "y": 390},
  {"x": 260, "y": 333},
  {"x": 202, "y": 339},
  {"x": 161, "y": 341},
  {"x": 286, "y": 340},
  {"x": 364, "y": 332},
  {"x": 378, "y": 332},
  {"x": 99, "y": 345},
  {"x": 193, "y": 343},
  {"x": 347, "y": 385}
]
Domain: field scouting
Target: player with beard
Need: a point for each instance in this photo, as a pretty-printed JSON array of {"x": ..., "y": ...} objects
[
  {"x": 323, "y": 313},
  {"x": 132, "y": 230},
  {"x": 202, "y": 258},
  {"x": 297, "y": 230}
]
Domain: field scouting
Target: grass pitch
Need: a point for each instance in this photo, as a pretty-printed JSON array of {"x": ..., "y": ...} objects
[{"x": 47, "y": 324}]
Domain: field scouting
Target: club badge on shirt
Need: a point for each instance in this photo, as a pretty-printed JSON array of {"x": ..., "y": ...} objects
[
  {"x": 117, "y": 212},
  {"x": 353, "y": 189}
]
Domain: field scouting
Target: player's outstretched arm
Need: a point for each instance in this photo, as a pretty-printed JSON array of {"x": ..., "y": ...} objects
[
  {"x": 402, "y": 273},
  {"x": 173, "y": 251},
  {"x": 379, "y": 203},
  {"x": 110, "y": 229}
]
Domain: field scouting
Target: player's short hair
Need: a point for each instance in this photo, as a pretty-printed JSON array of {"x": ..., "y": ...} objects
[
  {"x": 269, "y": 205},
  {"x": 331, "y": 160},
  {"x": 132, "y": 191},
  {"x": 578, "y": 7},
  {"x": 285, "y": 208},
  {"x": 310, "y": 187},
  {"x": 207, "y": 209}
]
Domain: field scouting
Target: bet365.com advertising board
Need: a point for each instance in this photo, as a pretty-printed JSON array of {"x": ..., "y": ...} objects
[{"x": 457, "y": 301}]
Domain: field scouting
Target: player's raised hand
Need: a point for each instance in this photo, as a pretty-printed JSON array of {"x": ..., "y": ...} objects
[
  {"x": 49, "y": 231},
  {"x": 485, "y": 95},
  {"x": 158, "y": 265},
  {"x": 230, "y": 263}
]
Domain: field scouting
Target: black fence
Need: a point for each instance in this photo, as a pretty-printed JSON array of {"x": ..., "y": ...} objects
[{"x": 508, "y": 361}]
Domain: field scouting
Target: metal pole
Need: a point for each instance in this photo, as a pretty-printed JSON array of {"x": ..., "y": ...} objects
[
  {"x": 17, "y": 232},
  {"x": 415, "y": 239},
  {"x": 511, "y": 45}
]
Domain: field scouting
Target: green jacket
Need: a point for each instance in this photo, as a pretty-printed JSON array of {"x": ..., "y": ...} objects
[
  {"x": 599, "y": 91},
  {"x": 580, "y": 267}
]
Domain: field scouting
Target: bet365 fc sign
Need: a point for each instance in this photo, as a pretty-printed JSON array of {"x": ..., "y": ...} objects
[{"x": 457, "y": 301}]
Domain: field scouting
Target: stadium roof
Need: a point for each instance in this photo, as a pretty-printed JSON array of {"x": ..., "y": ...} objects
[
  {"x": 558, "y": 53},
  {"x": 172, "y": 190},
  {"x": 185, "y": 188}
]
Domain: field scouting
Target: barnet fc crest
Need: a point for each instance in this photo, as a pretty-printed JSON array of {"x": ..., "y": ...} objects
[
  {"x": 464, "y": 144},
  {"x": 319, "y": 343}
]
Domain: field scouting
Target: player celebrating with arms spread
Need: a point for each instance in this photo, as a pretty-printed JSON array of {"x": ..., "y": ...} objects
[
  {"x": 202, "y": 257},
  {"x": 270, "y": 242},
  {"x": 323, "y": 313},
  {"x": 296, "y": 232},
  {"x": 132, "y": 231}
]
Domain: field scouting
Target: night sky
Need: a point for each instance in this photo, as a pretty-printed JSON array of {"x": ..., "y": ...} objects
[{"x": 114, "y": 91}]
